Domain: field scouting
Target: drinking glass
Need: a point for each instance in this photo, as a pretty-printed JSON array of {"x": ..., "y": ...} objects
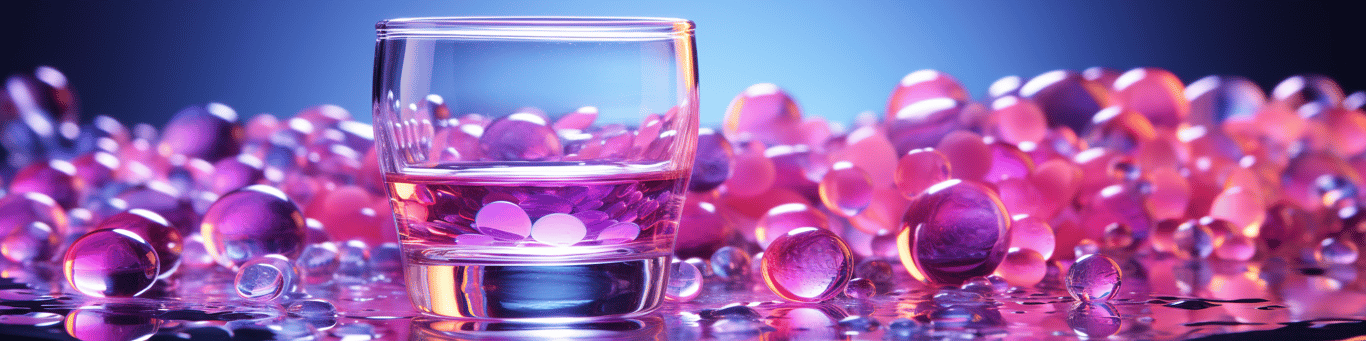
[{"x": 536, "y": 165}]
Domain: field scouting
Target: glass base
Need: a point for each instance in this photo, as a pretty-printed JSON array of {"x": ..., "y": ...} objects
[{"x": 618, "y": 287}]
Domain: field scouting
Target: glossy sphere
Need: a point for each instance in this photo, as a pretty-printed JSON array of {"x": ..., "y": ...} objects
[
  {"x": 765, "y": 113},
  {"x": 787, "y": 217},
  {"x": 112, "y": 323},
  {"x": 860, "y": 288},
  {"x": 206, "y": 132},
  {"x": 154, "y": 229},
  {"x": 713, "y": 163},
  {"x": 955, "y": 231},
  {"x": 1067, "y": 98},
  {"x": 1214, "y": 99},
  {"x": 1023, "y": 267},
  {"x": 808, "y": 265},
  {"x": 55, "y": 178},
  {"x": 1155, "y": 93},
  {"x": 1093, "y": 278},
  {"x": 110, "y": 263},
  {"x": 18, "y": 210},
  {"x": 846, "y": 189},
  {"x": 1032, "y": 233},
  {"x": 1332, "y": 251},
  {"x": 35, "y": 242},
  {"x": 520, "y": 137},
  {"x": 685, "y": 282},
  {"x": 266, "y": 278},
  {"x": 919, "y": 169},
  {"x": 924, "y": 84},
  {"x": 1094, "y": 320},
  {"x": 731, "y": 263},
  {"x": 232, "y": 173},
  {"x": 1017, "y": 120},
  {"x": 252, "y": 222},
  {"x": 503, "y": 220},
  {"x": 1193, "y": 239}
]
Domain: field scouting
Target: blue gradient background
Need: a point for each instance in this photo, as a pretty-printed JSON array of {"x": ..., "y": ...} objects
[{"x": 142, "y": 61}]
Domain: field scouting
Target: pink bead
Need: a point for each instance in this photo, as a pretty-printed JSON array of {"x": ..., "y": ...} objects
[
  {"x": 919, "y": 169},
  {"x": 1155, "y": 93},
  {"x": 1101, "y": 75},
  {"x": 1005, "y": 86},
  {"x": 1008, "y": 162},
  {"x": 969, "y": 155},
  {"x": 846, "y": 189},
  {"x": 1298, "y": 90},
  {"x": 456, "y": 143},
  {"x": 232, "y": 173},
  {"x": 156, "y": 231},
  {"x": 1241, "y": 207},
  {"x": 1115, "y": 203},
  {"x": 55, "y": 178},
  {"x": 1023, "y": 267},
  {"x": 1062, "y": 178},
  {"x": 1018, "y": 120},
  {"x": 1169, "y": 194},
  {"x": 580, "y": 119},
  {"x": 1032, "y": 233},
  {"x": 1021, "y": 197},
  {"x": 921, "y": 85},
  {"x": 1298, "y": 180},
  {"x": 348, "y": 212},
  {"x": 807, "y": 265},
  {"x": 765, "y": 113},
  {"x": 251, "y": 222},
  {"x": 1235, "y": 246},
  {"x": 1345, "y": 131},
  {"x": 883, "y": 215},
  {"x": 754, "y": 174},
  {"x": 206, "y": 132},
  {"x": 870, "y": 150},
  {"x": 261, "y": 127},
  {"x": 798, "y": 168},
  {"x": 787, "y": 217},
  {"x": 924, "y": 123},
  {"x": 95, "y": 169},
  {"x": 503, "y": 220},
  {"x": 20, "y": 209},
  {"x": 701, "y": 228},
  {"x": 520, "y": 136}
]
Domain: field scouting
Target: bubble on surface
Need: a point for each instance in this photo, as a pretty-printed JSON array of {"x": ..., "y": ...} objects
[
  {"x": 955, "y": 231},
  {"x": 503, "y": 220},
  {"x": 266, "y": 278},
  {"x": 557, "y": 229},
  {"x": 252, "y": 222},
  {"x": 1335, "y": 250},
  {"x": 154, "y": 229},
  {"x": 110, "y": 263},
  {"x": 685, "y": 282},
  {"x": 846, "y": 189},
  {"x": 731, "y": 263},
  {"x": 808, "y": 265},
  {"x": 1093, "y": 278}
]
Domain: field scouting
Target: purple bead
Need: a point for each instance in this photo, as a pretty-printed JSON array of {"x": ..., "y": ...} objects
[
  {"x": 520, "y": 137},
  {"x": 713, "y": 163},
  {"x": 808, "y": 265},
  {"x": 252, "y": 222},
  {"x": 1214, "y": 99},
  {"x": 846, "y": 189},
  {"x": 56, "y": 178},
  {"x": 764, "y": 113},
  {"x": 156, "y": 231},
  {"x": 1093, "y": 278},
  {"x": 731, "y": 263},
  {"x": 1335, "y": 251},
  {"x": 18, "y": 210},
  {"x": 1067, "y": 98},
  {"x": 685, "y": 282},
  {"x": 95, "y": 169},
  {"x": 206, "y": 132},
  {"x": 229, "y": 174},
  {"x": 1295, "y": 92},
  {"x": 110, "y": 263},
  {"x": 33, "y": 243},
  {"x": 954, "y": 231},
  {"x": 161, "y": 198},
  {"x": 919, "y": 169},
  {"x": 860, "y": 288},
  {"x": 922, "y": 124}
]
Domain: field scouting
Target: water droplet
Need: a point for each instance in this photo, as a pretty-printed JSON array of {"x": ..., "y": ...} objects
[
  {"x": 685, "y": 281},
  {"x": 266, "y": 278}
]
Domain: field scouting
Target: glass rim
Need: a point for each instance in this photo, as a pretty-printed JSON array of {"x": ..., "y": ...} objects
[{"x": 536, "y": 28}]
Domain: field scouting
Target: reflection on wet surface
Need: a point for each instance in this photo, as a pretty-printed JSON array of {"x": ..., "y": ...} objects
[{"x": 1161, "y": 297}]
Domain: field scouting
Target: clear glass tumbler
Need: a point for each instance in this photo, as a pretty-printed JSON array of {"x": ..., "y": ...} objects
[{"x": 536, "y": 166}]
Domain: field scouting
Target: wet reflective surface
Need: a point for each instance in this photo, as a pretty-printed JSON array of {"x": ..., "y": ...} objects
[{"x": 1205, "y": 298}]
